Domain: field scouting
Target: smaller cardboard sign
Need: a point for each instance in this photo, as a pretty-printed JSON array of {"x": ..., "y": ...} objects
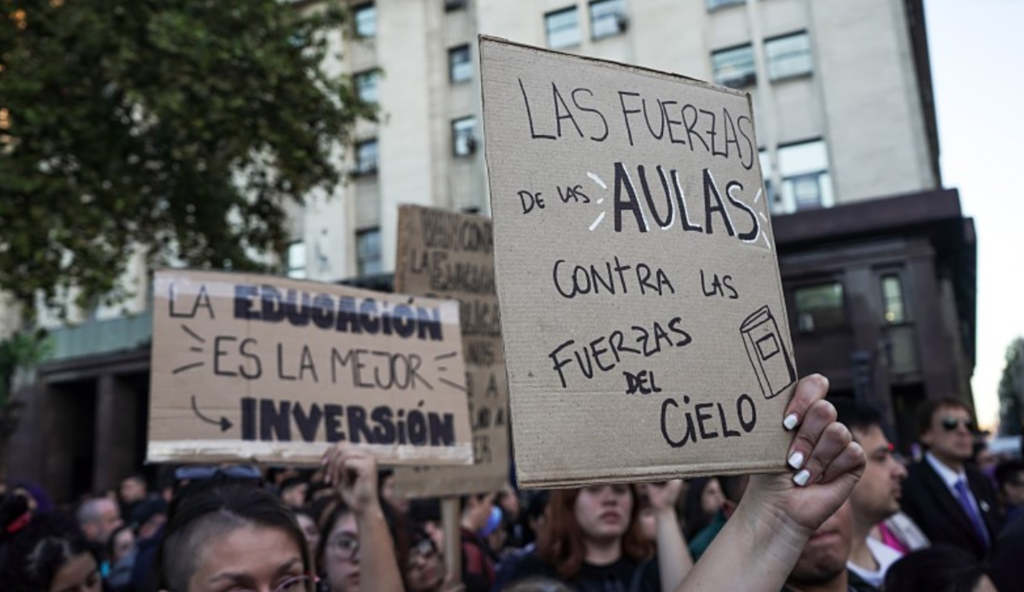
[
  {"x": 248, "y": 367},
  {"x": 643, "y": 320},
  {"x": 444, "y": 254}
]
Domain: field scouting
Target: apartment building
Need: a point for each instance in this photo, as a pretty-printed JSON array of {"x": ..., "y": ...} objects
[{"x": 876, "y": 257}]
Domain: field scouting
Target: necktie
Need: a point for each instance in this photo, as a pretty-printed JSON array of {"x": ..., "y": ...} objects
[{"x": 963, "y": 496}]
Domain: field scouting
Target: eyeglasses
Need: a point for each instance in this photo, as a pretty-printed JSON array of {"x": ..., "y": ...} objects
[
  {"x": 950, "y": 423},
  {"x": 200, "y": 472},
  {"x": 292, "y": 584},
  {"x": 424, "y": 549},
  {"x": 344, "y": 546}
]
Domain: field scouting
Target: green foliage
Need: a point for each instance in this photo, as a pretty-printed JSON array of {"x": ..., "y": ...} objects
[
  {"x": 182, "y": 126},
  {"x": 1011, "y": 391},
  {"x": 21, "y": 351}
]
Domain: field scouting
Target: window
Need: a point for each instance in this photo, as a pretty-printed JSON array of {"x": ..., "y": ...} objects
[
  {"x": 464, "y": 136},
  {"x": 366, "y": 85},
  {"x": 365, "y": 18},
  {"x": 452, "y": 5},
  {"x": 296, "y": 260},
  {"x": 788, "y": 56},
  {"x": 563, "y": 28},
  {"x": 819, "y": 307},
  {"x": 366, "y": 158},
  {"x": 734, "y": 67},
  {"x": 713, "y": 4},
  {"x": 806, "y": 183},
  {"x": 607, "y": 18},
  {"x": 460, "y": 64},
  {"x": 368, "y": 255},
  {"x": 892, "y": 300}
]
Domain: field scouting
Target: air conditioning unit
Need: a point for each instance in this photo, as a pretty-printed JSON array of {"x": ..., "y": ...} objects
[
  {"x": 471, "y": 145},
  {"x": 622, "y": 22},
  {"x": 450, "y": 5}
]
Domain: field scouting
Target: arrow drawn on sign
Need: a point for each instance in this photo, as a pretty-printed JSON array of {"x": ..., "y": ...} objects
[{"x": 224, "y": 423}]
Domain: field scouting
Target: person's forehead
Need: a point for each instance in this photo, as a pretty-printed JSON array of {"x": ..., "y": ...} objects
[{"x": 944, "y": 411}]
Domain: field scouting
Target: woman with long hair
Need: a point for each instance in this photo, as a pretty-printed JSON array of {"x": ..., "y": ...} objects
[
  {"x": 593, "y": 540},
  {"x": 704, "y": 499}
]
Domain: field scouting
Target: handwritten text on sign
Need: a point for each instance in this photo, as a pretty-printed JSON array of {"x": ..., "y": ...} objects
[
  {"x": 643, "y": 320},
  {"x": 451, "y": 255},
  {"x": 268, "y": 368}
]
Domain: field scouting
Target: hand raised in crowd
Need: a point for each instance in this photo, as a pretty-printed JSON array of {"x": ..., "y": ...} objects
[
  {"x": 663, "y": 496},
  {"x": 353, "y": 473},
  {"x": 828, "y": 463}
]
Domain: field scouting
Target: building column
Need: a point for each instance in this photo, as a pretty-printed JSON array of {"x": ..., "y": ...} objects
[
  {"x": 115, "y": 433},
  {"x": 935, "y": 356},
  {"x": 865, "y": 320}
]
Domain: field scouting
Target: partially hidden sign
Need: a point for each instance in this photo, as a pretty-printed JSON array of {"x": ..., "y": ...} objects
[
  {"x": 644, "y": 325},
  {"x": 250, "y": 367},
  {"x": 446, "y": 254}
]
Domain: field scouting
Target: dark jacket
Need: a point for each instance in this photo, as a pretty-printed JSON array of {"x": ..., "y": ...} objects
[{"x": 931, "y": 504}]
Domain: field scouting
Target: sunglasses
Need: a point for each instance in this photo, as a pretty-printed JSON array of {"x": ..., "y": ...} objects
[{"x": 950, "y": 423}]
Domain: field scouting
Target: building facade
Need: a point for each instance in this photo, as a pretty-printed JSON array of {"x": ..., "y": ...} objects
[{"x": 877, "y": 260}]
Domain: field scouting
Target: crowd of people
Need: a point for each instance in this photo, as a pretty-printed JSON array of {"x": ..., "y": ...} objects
[{"x": 851, "y": 515}]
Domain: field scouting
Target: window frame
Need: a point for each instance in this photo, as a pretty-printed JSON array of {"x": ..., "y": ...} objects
[
  {"x": 361, "y": 8},
  {"x": 547, "y": 26},
  {"x": 769, "y": 61},
  {"x": 619, "y": 16},
  {"x": 358, "y": 169},
  {"x": 361, "y": 259},
  {"x": 739, "y": 82},
  {"x": 367, "y": 75},
  {"x": 784, "y": 178},
  {"x": 816, "y": 328},
  {"x": 713, "y": 5},
  {"x": 452, "y": 52},
  {"x": 471, "y": 150},
  {"x": 902, "y": 295},
  {"x": 296, "y": 271}
]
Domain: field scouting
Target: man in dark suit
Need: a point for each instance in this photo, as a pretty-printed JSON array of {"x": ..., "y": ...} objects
[{"x": 951, "y": 502}]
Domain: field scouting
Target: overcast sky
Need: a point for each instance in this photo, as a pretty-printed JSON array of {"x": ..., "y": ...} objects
[{"x": 977, "y": 58}]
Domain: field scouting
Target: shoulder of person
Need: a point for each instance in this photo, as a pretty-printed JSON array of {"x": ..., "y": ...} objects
[{"x": 530, "y": 564}]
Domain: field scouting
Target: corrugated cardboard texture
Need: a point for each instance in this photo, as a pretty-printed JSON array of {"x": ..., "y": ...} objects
[
  {"x": 643, "y": 320},
  {"x": 249, "y": 367},
  {"x": 444, "y": 254}
]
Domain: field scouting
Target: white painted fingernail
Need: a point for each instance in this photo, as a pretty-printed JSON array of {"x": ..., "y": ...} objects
[
  {"x": 801, "y": 478},
  {"x": 790, "y": 421},
  {"x": 796, "y": 460}
]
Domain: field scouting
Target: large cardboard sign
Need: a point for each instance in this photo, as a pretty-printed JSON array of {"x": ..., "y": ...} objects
[
  {"x": 644, "y": 325},
  {"x": 445, "y": 254},
  {"x": 249, "y": 367}
]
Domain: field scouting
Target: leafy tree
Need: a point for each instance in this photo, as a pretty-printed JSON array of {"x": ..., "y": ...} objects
[
  {"x": 1011, "y": 391},
  {"x": 178, "y": 126},
  {"x": 21, "y": 351}
]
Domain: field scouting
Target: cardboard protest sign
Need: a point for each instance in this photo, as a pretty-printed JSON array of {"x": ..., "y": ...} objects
[
  {"x": 643, "y": 320},
  {"x": 445, "y": 254},
  {"x": 249, "y": 367}
]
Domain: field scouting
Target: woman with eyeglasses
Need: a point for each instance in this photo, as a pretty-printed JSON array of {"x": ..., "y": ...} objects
[
  {"x": 424, "y": 567},
  {"x": 357, "y": 551}
]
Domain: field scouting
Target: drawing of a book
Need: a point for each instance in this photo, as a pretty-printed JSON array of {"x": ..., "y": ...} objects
[{"x": 772, "y": 363}]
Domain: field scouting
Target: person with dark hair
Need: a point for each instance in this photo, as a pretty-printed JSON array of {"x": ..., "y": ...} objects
[
  {"x": 941, "y": 568},
  {"x": 1010, "y": 482},
  {"x": 132, "y": 491},
  {"x": 233, "y": 535},
  {"x": 293, "y": 492},
  {"x": 593, "y": 540},
  {"x": 822, "y": 566},
  {"x": 876, "y": 496},
  {"x": 953, "y": 503},
  {"x": 388, "y": 493},
  {"x": 478, "y": 574},
  {"x": 704, "y": 499},
  {"x": 120, "y": 559},
  {"x": 44, "y": 552},
  {"x": 309, "y": 528},
  {"x": 357, "y": 549},
  {"x": 424, "y": 566}
]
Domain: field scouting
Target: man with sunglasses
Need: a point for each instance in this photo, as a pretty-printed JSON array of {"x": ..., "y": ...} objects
[{"x": 953, "y": 503}]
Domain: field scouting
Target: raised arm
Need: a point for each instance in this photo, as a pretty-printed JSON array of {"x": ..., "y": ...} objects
[
  {"x": 354, "y": 475},
  {"x": 761, "y": 543},
  {"x": 674, "y": 560}
]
